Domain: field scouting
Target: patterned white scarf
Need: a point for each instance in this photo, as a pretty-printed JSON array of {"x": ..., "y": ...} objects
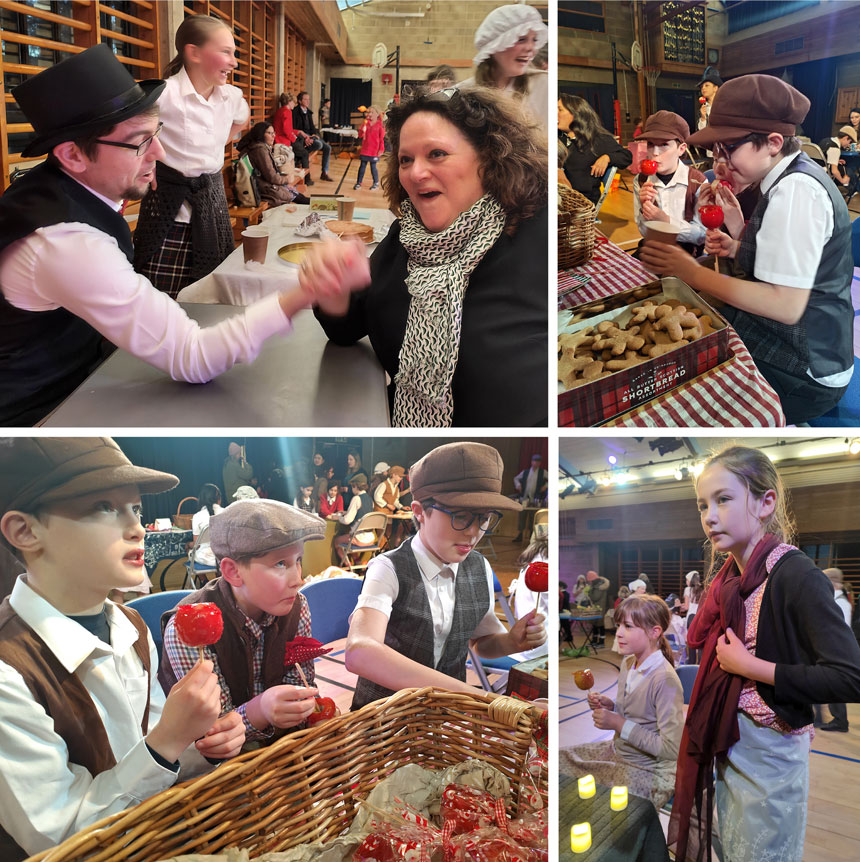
[{"x": 437, "y": 277}]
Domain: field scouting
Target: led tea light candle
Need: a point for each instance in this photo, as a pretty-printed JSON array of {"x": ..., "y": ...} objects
[
  {"x": 618, "y": 798},
  {"x": 580, "y": 837},
  {"x": 587, "y": 787}
]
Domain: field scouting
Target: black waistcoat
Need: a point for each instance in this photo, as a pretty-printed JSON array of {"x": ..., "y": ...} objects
[{"x": 44, "y": 355}]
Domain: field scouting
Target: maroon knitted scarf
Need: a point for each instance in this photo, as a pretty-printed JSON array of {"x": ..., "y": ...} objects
[{"x": 712, "y": 721}]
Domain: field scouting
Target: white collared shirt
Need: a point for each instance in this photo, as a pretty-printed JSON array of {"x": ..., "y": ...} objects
[
  {"x": 672, "y": 199},
  {"x": 381, "y": 588},
  {"x": 78, "y": 267},
  {"x": 635, "y": 676},
  {"x": 43, "y": 798},
  {"x": 196, "y": 130}
]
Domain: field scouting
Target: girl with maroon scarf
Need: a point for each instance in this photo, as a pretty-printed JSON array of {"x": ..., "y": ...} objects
[{"x": 773, "y": 643}]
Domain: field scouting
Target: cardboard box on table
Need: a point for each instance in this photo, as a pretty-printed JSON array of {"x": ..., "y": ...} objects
[{"x": 601, "y": 400}]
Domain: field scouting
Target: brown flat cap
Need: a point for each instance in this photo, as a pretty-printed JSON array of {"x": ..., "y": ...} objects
[
  {"x": 850, "y": 131},
  {"x": 252, "y": 528},
  {"x": 461, "y": 474},
  {"x": 46, "y": 469},
  {"x": 752, "y": 103},
  {"x": 664, "y": 126}
]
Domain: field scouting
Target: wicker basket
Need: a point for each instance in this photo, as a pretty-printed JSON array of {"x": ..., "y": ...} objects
[
  {"x": 306, "y": 787},
  {"x": 575, "y": 228},
  {"x": 183, "y": 521}
]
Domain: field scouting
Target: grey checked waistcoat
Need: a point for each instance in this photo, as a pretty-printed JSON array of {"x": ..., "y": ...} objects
[{"x": 410, "y": 626}]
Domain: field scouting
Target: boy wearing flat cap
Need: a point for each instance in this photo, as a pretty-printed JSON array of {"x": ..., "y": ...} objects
[
  {"x": 258, "y": 545},
  {"x": 789, "y": 292},
  {"x": 68, "y": 291},
  {"x": 424, "y": 603},
  {"x": 671, "y": 195},
  {"x": 85, "y": 730}
]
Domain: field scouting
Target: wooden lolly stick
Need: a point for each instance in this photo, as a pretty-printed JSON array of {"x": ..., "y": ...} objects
[{"x": 298, "y": 667}]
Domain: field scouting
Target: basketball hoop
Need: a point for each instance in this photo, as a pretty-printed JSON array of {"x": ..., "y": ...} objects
[{"x": 652, "y": 73}]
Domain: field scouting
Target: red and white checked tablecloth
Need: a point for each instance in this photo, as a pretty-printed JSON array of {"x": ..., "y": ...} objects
[{"x": 733, "y": 395}]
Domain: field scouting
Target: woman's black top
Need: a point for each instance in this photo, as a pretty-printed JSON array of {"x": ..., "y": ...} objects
[
  {"x": 577, "y": 166},
  {"x": 501, "y": 374}
]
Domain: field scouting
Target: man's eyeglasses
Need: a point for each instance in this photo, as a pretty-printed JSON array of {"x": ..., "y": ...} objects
[
  {"x": 462, "y": 519},
  {"x": 139, "y": 149},
  {"x": 726, "y": 151}
]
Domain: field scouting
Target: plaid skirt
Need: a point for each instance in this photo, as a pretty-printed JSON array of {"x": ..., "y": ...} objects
[{"x": 170, "y": 269}]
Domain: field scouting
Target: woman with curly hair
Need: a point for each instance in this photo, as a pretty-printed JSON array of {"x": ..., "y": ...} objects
[
  {"x": 456, "y": 309},
  {"x": 591, "y": 149}
]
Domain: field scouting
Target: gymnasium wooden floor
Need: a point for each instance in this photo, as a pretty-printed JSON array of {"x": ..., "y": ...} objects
[{"x": 833, "y": 825}]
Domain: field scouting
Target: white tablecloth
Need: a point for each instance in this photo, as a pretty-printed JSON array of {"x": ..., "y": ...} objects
[
  {"x": 233, "y": 282},
  {"x": 344, "y": 133}
]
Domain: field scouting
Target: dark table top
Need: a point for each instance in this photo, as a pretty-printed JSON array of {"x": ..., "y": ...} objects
[
  {"x": 300, "y": 380},
  {"x": 632, "y": 835}
]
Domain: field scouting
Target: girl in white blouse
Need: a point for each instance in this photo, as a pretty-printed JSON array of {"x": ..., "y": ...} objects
[{"x": 184, "y": 231}]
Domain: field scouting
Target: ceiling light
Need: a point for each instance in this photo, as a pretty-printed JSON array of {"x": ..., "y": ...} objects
[
  {"x": 612, "y": 460},
  {"x": 854, "y": 446}
]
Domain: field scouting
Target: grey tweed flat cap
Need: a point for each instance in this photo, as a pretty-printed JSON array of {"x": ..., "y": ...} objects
[{"x": 255, "y": 527}]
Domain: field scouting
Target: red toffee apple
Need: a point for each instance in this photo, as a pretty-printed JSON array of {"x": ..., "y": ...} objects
[
  {"x": 199, "y": 625},
  {"x": 584, "y": 679},
  {"x": 325, "y": 709},
  {"x": 649, "y": 167},
  {"x": 711, "y": 216},
  {"x": 537, "y": 576}
]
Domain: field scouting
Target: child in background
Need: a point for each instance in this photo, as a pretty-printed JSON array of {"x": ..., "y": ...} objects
[
  {"x": 648, "y": 714},
  {"x": 85, "y": 730},
  {"x": 422, "y": 604},
  {"x": 773, "y": 643},
  {"x": 360, "y": 504},
  {"x": 332, "y": 502},
  {"x": 789, "y": 294},
  {"x": 259, "y": 546},
  {"x": 183, "y": 231},
  {"x": 372, "y": 134},
  {"x": 526, "y": 600},
  {"x": 305, "y": 498},
  {"x": 670, "y": 195},
  {"x": 209, "y": 499}
]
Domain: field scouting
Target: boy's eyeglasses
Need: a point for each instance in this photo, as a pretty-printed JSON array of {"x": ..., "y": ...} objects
[
  {"x": 726, "y": 151},
  {"x": 139, "y": 149},
  {"x": 462, "y": 519}
]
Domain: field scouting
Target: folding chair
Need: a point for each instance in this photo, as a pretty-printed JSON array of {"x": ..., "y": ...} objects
[
  {"x": 501, "y": 665},
  {"x": 151, "y": 608},
  {"x": 607, "y": 185},
  {"x": 814, "y": 152},
  {"x": 375, "y": 522},
  {"x": 199, "y": 573},
  {"x": 485, "y": 546}
]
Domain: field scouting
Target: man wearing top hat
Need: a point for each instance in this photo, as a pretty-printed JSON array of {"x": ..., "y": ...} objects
[
  {"x": 67, "y": 285},
  {"x": 788, "y": 293}
]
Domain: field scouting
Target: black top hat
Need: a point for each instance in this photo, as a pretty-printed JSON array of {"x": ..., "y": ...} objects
[
  {"x": 710, "y": 74},
  {"x": 83, "y": 93}
]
